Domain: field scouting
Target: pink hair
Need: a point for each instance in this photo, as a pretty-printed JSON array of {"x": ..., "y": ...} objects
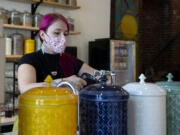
[{"x": 49, "y": 19}]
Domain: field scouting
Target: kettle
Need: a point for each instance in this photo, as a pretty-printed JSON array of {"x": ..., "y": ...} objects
[
  {"x": 48, "y": 110},
  {"x": 103, "y": 108}
]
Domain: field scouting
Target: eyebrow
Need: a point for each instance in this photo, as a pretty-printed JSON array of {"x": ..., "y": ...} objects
[{"x": 59, "y": 29}]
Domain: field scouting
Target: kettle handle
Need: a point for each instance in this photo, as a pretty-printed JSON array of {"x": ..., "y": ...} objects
[{"x": 69, "y": 85}]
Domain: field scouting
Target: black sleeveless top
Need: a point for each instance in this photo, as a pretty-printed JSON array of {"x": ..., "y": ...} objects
[{"x": 48, "y": 64}]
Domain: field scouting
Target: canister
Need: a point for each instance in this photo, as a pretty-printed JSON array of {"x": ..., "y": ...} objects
[
  {"x": 71, "y": 23},
  {"x": 17, "y": 43},
  {"x": 29, "y": 46},
  {"x": 173, "y": 104},
  {"x": 8, "y": 44},
  {"x": 62, "y": 1},
  {"x": 48, "y": 111},
  {"x": 36, "y": 19},
  {"x": 4, "y": 15},
  {"x": 146, "y": 108},
  {"x": 27, "y": 19},
  {"x": 15, "y": 17},
  {"x": 103, "y": 110},
  {"x": 38, "y": 43},
  {"x": 72, "y": 2}
]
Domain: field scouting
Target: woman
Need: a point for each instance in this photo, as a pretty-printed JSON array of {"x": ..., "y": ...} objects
[{"x": 51, "y": 59}]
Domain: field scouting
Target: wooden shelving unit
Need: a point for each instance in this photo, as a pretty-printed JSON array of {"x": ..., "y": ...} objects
[
  {"x": 13, "y": 58},
  {"x": 20, "y": 27},
  {"x": 11, "y": 26},
  {"x": 49, "y": 3}
]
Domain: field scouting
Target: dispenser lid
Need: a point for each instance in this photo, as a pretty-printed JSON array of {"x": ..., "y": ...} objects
[
  {"x": 169, "y": 84},
  {"x": 47, "y": 95},
  {"x": 144, "y": 89},
  {"x": 99, "y": 92}
]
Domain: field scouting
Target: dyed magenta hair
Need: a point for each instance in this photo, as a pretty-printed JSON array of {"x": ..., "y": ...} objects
[{"x": 49, "y": 19}]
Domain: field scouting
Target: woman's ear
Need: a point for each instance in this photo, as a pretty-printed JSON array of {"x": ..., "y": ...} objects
[{"x": 42, "y": 34}]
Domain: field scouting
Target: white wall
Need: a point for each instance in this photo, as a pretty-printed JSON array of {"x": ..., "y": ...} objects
[{"x": 92, "y": 20}]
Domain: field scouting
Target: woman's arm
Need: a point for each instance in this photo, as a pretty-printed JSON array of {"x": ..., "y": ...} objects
[
  {"x": 27, "y": 78},
  {"x": 86, "y": 69}
]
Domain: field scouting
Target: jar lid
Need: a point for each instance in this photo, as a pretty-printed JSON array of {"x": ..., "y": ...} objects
[
  {"x": 98, "y": 92},
  {"x": 14, "y": 11},
  {"x": 47, "y": 96},
  {"x": 169, "y": 85},
  {"x": 27, "y": 13},
  {"x": 144, "y": 89}
]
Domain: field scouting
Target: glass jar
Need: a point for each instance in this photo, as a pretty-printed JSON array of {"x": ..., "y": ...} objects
[
  {"x": 27, "y": 19},
  {"x": 15, "y": 17},
  {"x": 36, "y": 19},
  {"x": 38, "y": 43},
  {"x": 51, "y": 0},
  {"x": 62, "y": 1},
  {"x": 71, "y": 23},
  {"x": 4, "y": 15},
  {"x": 72, "y": 2},
  {"x": 18, "y": 42}
]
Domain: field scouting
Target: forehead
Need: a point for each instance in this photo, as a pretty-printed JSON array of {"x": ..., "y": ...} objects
[{"x": 58, "y": 25}]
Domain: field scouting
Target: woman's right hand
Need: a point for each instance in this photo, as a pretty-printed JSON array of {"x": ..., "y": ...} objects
[{"x": 76, "y": 81}]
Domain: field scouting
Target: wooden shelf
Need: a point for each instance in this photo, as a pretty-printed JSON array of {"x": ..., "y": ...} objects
[
  {"x": 11, "y": 26},
  {"x": 50, "y": 4},
  {"x": 13, "y": 58}
]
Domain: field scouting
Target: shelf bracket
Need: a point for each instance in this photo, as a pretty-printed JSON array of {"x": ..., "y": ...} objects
[
  {"x": 33, "y": 34},
  {"x": 34, "y": 6}
]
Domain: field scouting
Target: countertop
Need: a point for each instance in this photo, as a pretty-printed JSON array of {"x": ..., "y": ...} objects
[{"x": 10, "y": 133}]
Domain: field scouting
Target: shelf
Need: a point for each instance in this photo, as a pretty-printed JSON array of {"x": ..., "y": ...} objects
[
  {"x": 50, "y": 4},
  {"x": 13, "y": 58},
  {"x": 74, "y": 33},
  {"x": 10, "y": 26}
]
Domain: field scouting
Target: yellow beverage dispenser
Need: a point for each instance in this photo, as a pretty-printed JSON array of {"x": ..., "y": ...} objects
[
  {"x": 48, "y": 111},
  {"x": 29, "y": 46}
]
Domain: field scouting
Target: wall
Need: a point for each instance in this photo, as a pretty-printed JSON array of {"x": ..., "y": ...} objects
[
  {"x": 92, "y": 20},
  {"x": 159, "y": 39}
]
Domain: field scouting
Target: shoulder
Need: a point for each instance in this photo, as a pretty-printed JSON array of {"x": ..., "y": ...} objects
[{"x": 31, "y": 58}]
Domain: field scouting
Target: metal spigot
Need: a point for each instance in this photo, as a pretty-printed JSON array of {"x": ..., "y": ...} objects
[{"x": 103, "y": 73}]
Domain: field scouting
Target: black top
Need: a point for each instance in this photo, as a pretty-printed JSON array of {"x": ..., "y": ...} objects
[{"x": 47, "y": 64}]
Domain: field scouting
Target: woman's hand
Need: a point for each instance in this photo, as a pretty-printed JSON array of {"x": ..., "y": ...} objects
[{"x": 77, "y": 82}]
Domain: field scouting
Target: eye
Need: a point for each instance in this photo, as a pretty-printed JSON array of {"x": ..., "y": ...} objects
[
  {"x": 66, "y": 33},
  {"x": 57, "y": 33}
]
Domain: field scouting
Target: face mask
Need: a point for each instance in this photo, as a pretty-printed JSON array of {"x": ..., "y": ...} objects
[{"x": 57, "y": 44}]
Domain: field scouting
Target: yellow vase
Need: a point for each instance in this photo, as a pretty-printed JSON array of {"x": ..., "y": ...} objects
[
  {"x": 48, "y": 111},
  {"x": 29, "y": 46}
]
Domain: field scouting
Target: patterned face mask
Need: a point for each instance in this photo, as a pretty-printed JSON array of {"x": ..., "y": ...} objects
[{"x": 57, "y": 44}]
